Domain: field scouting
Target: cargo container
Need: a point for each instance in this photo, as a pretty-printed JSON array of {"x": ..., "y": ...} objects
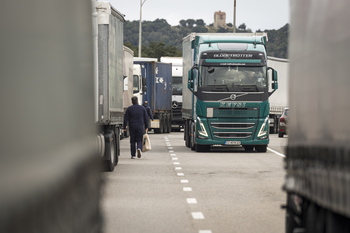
[
  {"x": 110, "y": 106},
  {"x": 157, "y": 91},
  {"x": 318, "y": 153},
  {"x": 177, "y": 122}
]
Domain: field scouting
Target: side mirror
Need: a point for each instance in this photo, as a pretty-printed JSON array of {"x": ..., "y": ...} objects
[
  {"x": 190, "y": 84},
  {"x": 274, "y": 86},
  {"x": 274, "y": 75}
]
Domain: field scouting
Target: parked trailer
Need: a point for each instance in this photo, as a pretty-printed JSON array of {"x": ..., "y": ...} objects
[
  {"x": 318, "y": 152},
  {"x": 128, "y": 82},
  {"x": 110, "y": 110},
  {"x": 279, "y": 100},
  {"x": 49, "y": 167},
  {"x": 157, "y": 92},
  {"x": 177, "y": 122}
]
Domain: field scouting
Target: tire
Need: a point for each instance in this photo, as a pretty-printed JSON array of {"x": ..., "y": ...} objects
[
  {"x": 248, "y": 147},
  {"x": 261, "y": 148},
  {"x": 192, "y": 136},
  {"x": 110, "y": 153},
  {"x": 202, "y": 148},
  {"x": 187, "y": 135},
  {"x": 280, "y": 135}
]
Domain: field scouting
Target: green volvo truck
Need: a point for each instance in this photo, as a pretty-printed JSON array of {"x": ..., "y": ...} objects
[{"x": 226, "y": 90}]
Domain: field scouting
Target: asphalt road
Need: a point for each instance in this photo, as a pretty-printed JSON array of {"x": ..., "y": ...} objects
[{"x": 172, "y": 189}]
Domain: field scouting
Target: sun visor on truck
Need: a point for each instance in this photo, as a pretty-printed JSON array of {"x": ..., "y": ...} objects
[{"x": 232, "y": 58}]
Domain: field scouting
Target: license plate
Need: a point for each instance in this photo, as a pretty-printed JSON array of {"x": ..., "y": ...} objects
[{"x": 233, "y": 143}]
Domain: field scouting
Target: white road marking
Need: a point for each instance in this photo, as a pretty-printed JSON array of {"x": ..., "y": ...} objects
[
  {"x": 184, "y": 181},
  {"x": 170, "y": 148},
  {"x": 176, "y": 163},
  {"x": 178, "y": 168},
  {"x": 197, "y": 215},
  {"x": 180, "y": 174},
  {"x": 191, "y": 201},
  {"x": 187, "y": 189},
  {"x": 277, "y": 153},
  {"x": 205, "y": 231},
  {"x": 171, "y": 151},
  {"x": 174, "y": 158},
  {"x": 173, "y": 154}
]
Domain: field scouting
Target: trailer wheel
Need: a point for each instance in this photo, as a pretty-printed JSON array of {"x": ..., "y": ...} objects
[
  {"x": 261, "y": 148},
  {"x": 110, "y": 152}
]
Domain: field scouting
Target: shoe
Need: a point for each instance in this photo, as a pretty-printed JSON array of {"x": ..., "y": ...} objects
[
  {"x": 138, "y": 153},
  {"x": 133, "y": 157}
]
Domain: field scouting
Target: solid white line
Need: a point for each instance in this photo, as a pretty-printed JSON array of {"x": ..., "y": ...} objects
[
  {"x": 197, "y": 215},
  {"x": 277, "y": 153}
]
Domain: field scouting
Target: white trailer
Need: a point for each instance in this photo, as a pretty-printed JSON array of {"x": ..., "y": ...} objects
[{"x": 279, "y": 100}]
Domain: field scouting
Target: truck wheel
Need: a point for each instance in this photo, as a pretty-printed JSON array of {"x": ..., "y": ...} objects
[
  {"x": 187, "y": 135},
  {"x": 248, "y": 147},
  {"x": 159, "y": 130},
  {"x": 261, "y": 148},
  {"x": 202, "y": 148},
  {"x": 192, "y": 137},
  {"x": 110, "y": 153}
]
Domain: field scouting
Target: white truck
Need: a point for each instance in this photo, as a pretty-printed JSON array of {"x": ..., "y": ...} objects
[
  {"x": 177, "y": 122},
  {"x": 279, "y": 100}
]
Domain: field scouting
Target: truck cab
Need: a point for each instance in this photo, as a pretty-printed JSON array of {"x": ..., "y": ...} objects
[{"x": 228, "y": 82}]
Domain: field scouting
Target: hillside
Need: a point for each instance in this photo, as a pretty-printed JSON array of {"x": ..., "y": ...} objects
[{"x": 161, "y": 39}]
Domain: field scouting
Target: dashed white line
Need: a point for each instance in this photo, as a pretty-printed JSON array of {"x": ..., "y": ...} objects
[
  {"x": 173, "y": 154},
  {"x": 197, "y": 215},
  {"x": 178, "y": 168},
  {"x": 187, "y": 189},
  {"x": 176, "y": 163},
  {"x": 174, "y": 158},
  {"x": 277, "y": 153},
  {"x": 184, "y": 181},
  {"x": 191, "y": 201},
  {"x": 171, "y": 151},
  {"x": 180, "y": 174}
]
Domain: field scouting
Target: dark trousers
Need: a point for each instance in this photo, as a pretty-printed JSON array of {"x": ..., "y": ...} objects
[{"x": 136, "y": 135}]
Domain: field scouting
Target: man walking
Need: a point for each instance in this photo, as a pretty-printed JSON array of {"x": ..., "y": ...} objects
[
  {"x": 136, "y": 117},
  {"x": 148, "y": 110}
]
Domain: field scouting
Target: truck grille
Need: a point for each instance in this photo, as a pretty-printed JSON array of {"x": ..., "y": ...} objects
[
  {"x": 238, "y": 130},
  {"x": 232, "y": 134},
  {"x": 232, "y": 125}
]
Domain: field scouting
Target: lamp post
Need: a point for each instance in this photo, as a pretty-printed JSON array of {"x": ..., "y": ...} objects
[
  {"x": 140, "y": 26},
  {"x": 234, "y": 16}
]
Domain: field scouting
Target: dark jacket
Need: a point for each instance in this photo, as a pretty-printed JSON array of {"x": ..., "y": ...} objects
[
  {"x": 136, "y": 116},
  {"x": 148, "y": 110}
]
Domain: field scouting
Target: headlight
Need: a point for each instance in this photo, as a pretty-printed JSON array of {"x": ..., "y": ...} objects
[
  {"x": 263, "y": 130},
  {"x": 202, "y": 132}
]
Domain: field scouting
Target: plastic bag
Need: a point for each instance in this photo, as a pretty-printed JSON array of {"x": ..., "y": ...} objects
[{"x": 146, "y": 143}]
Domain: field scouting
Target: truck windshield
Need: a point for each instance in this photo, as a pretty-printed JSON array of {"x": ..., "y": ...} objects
[
  {"x": 233, "y": 76},
  {"x": 177, "y": 85}
]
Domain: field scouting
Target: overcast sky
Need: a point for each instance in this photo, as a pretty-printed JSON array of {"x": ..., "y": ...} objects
[{"x": 256, "y": 14}]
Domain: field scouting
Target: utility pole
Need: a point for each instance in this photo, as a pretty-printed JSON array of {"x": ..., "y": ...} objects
[
  {"x": 140, "y": 26},
  {"x": 234, "y": 16}
]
